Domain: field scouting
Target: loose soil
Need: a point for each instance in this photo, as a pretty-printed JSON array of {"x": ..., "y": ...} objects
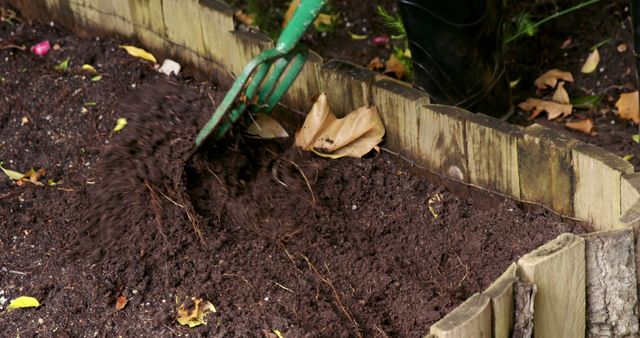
[
  {"x": 526, "y": 58},
  {"x": 275, "y": 238}
]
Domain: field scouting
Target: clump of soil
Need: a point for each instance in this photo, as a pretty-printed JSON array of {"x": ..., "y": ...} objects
[{"x": 275, "y": 238}]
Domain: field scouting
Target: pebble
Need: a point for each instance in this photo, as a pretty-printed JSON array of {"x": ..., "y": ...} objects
[
  {"x": 135, "y": 292},
  {"x": 354, "y": 207},
  {"x": 40, "y": 321}
]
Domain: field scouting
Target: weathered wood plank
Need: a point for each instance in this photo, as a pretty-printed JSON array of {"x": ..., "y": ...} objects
[
  {"x": 216, "y": 25},
  {"x": 244, "y": 47},
  {"x": 182, "y": 27},
  {"x": 442, "y": 145},
  {"x": 396, "y": 101},
  {"x": 148, "y": 21},
  {"x": 471, "y": 319},
  {"x": 630, "y": 195},
  {"x": 612, "y": 295},
  {"x": 492, "y": 146},
  {"x": 597, "y": 185},
  {"x": 558, "y": 270},
  {"x": 525, "y": 294},
  {"x": 501, "y": 294},
  {"x": 544, "y": 165},
  {"x": 306, "y": 86},
  {"x": 347, "y": 86}
]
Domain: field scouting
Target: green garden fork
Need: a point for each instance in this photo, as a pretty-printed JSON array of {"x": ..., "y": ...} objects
[{"x": 255, "y": 91}]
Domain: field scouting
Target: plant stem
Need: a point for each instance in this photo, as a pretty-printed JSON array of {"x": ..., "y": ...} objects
[{"x": 551, "y": 17}]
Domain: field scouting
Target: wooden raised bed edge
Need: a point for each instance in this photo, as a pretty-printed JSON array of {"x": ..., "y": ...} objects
[{"x": 584, "y": 284}]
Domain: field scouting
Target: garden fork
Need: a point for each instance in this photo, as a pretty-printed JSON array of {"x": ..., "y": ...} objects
[{"x": 255, "y": 91}]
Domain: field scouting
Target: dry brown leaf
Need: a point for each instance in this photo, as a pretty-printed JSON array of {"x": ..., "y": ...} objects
[
  {"x": 353, "y": 136},
  {"x": 395, "y": 66},
  {"x": 375, "y": 64},
  {"x": 243, "y": 17},
  {"x": 553, "y": 109},
  {"x": 266, "y": 127},
  {"x": 561, "y": 95},
  {"x": 551, "y": 77},
  {"x": 292, "y": 9},
  {"x": 629, "y": 107},
  {"x": 121, "y": 302},
  {"x": 623, "y": 47},
  {"x": 585, "y": 126},
  {"x": 195, "y": 317},
  {"x": 591, "y": 64}
]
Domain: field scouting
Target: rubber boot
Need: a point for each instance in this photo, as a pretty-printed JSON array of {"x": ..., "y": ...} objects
[{"x": 456, "y": 47}]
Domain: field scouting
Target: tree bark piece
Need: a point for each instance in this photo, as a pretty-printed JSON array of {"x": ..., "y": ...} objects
[
  {"x": 525, "y": 294},
  {"x": 612, "y": 297},
  {"x": 558, "y": 270}
]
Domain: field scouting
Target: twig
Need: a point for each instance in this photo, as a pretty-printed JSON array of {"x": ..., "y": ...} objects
[
  {"x": 195, "y": 224},
  {"x": 328, "y": 282},
  {"x": 313, "y": 195},
  {"x": 238, "y": 276},
  {"x": 155, "y": 205},
  {"x": 466, "y": 273},
  {"x": 384, "y": 334},
  {"x": 284, "y": 287}
]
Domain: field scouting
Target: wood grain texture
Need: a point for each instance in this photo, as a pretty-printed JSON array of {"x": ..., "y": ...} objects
[
  {"x": 501, "y": 293},
  {"x": 471, "y": 319},
  {"x": 630, "y": 195},
  {"x": 544, "y": 166},
  {"x": 300, "y": 95},
  {"x": 492, "y": 147},
  {"x": 347, "y": 86},
  {"x": 243, "y": 48},
  {"x": 148, "y": 21},
  {"x": 182, "y": 27},
  {"x": 558, "y": 270},
  {"x": 396, "y": 101},
  {"x": 598, "y": 185},
  {"x": 612, "y": 294}
]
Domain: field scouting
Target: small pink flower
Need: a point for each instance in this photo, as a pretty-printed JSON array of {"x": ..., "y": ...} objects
[
  {"x": 380, "y": 40},
  {"x": 41, "y": 48}
]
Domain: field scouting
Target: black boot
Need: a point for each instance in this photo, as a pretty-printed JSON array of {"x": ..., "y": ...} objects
[{"x": 456, "y": 47}]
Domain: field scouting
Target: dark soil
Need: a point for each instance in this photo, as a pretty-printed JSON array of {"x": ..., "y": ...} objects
[
  {"x": 526, "y": 58},
  {"x": 273, "y": 237}
]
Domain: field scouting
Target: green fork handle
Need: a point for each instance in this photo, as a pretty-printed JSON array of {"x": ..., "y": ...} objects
[{"x": 303, "y": 17}]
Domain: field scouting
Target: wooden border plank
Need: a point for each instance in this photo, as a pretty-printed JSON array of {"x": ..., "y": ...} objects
[
  {"x": 347, "y": 86},
  {"x": 558, "y": 270},
  {"x": 501, "y": 292},
  {"x": 471, "y": 319}
]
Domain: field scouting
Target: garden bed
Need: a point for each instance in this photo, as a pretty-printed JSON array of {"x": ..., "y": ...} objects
[{"x": 366, "y": 246}]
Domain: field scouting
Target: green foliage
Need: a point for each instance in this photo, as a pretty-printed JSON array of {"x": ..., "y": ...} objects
[{"x": 393, "y": 23}]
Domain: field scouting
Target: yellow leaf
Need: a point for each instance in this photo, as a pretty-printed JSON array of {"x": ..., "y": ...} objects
[
  {"x": 196, "y": 316},
  {"x": 323, "y": 20},
  {"x": 14, "y": 175},
  {"x": 292, "y": 9},
  {"x": 553, "y": 109},
  {"x": 120, "y": 124},
  {"x": 395, "y": 66},
  {"x": 23, "y": 302},
  {"x": 561, "y": 95},
  {"x": 139, "y": 52},
  {"x": 375, "y": 64},
  {"x": 514, "y": 83},
  {"x": 585, "y": 126},
  {"x": 354, "y": 135},
  {"x": 34, "y": 176},
  {"x": 278, "y": 333},
  {"x": 550, "y": 78},
  {"x": 629, "y": 107},
  {"x": 266, "y": 127},
  {"x": 591, "y": 63},
  {"x": 628, "y": 157},
  {"x": 355, "y": 36},
  {"x": 89, "y": 68}
]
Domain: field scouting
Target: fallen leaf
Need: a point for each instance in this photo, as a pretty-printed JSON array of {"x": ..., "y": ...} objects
[
  {"x": 120, "y": 124},
  {"x": 354, "y": 135},
  {"x": 561, "y": 95},
  {"x": 292, "y": 9},
  {"x": 51, "y": 182},
  {"x": 23, "y": 302},
  {"x": 139, "y": 52},
  {"x": 355, "y": 36},
  {"x": 89, "y": 68},
  {"x": 623, "y": 47},
  {"x": 121, "y": 302},
  {"x": 266, "y": 127},
  {"x": 553, "y": 109},
  {"x": 278, "y": 333},
  {"x": 196, "y": 316},
  {"x": 323, "y": 20},
  {"x": 41, "y": 48},
  {"x": 585, "y": 126},
  {"x": 551, "y": 77},
  {"x": 90, "y": 103},
  {"x": 25, "y": 120},
  {"x": 628, "y": 158},
  {"x": 636, "y": 138},
  {"x": 14, "y": 175},
  {"x": 395, "y": 66},
  {"x": 34, "y": 176},
  {"x": 244, "y": 18},
  {"x": 96, "y": 78},
  {"x": 375, "y": 64},
  {"x": 591, "y": 63},
  {"x": 629, "y": 106},
  {"x": 586, "y": 102},
  {"x": 514, "y": 83},
  {"x": 62, "y": 66},
  {"x": 566, "y": 43}
]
